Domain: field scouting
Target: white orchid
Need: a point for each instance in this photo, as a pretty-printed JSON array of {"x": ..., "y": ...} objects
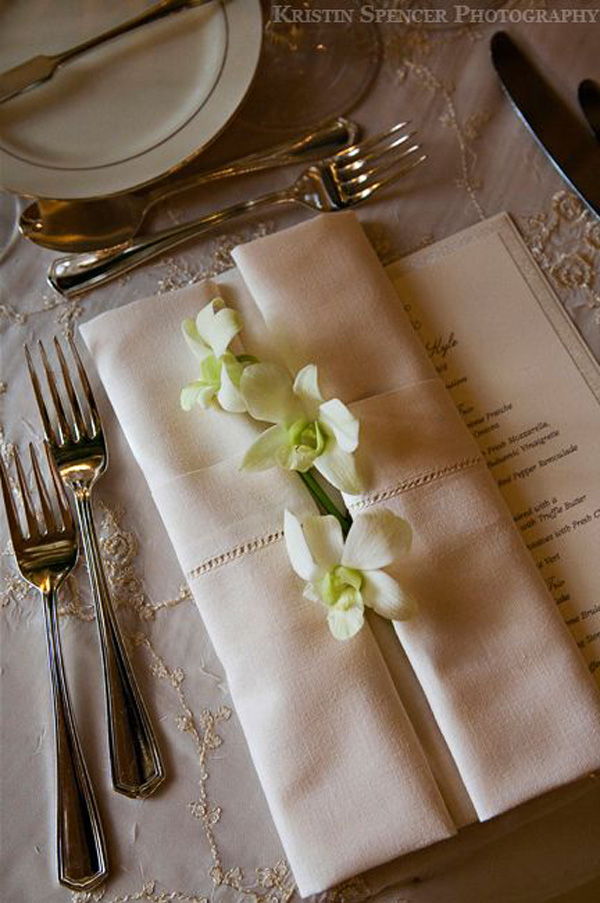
[
  {"x": 307, "y": 431},
  {"x": 346, "y": 576},
  {"x": 220, "y": 370}
]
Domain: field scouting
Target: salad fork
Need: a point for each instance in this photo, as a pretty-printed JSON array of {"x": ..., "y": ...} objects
[
  {"x": 349, "y": 177},
  {"x": 79, "y": 451},
  {"x": 46, "y": 551}
]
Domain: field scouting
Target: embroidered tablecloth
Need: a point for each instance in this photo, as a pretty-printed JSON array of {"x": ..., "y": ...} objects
[{"x": 208, "y": 834}]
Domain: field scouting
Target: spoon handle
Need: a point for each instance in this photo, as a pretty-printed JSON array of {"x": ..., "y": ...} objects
[
  {"x": 339, "y": 132},
  {"x": 73, "y": 275}
]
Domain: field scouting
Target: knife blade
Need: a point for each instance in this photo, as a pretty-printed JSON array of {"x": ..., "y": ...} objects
[
  {"x": 26, "y": 75},
  {"x": 589, "y": 101},
  {"x": 556, "y": 128}
]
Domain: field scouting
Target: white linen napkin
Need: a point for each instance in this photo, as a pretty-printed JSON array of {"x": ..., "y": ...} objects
[
  {"x": 345, "y": 777},
  {"x": 514, "y": 700}
]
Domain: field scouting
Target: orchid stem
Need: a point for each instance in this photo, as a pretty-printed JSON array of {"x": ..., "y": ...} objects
[{"x": 323, "y": 500}]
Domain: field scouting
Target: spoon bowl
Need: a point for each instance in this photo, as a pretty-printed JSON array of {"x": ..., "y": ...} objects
[{"x": 83, "y": 225}]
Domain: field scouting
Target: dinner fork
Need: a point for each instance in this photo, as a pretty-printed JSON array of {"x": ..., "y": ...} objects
[
  {"x": 46, "y": 551},
  {"x": 78, "y": 448},
  {"x": 349, "y": 177}
]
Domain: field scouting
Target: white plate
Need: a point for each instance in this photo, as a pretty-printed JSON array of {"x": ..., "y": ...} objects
[{"x": 132, "y": 109}]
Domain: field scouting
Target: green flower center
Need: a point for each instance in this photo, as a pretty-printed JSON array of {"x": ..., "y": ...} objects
[
  {"x": 306, "y": 441},
  {"x": 340, "y": 587},
  {"x": 211, "y": 368},
  {"x": 210, "y": 371}
]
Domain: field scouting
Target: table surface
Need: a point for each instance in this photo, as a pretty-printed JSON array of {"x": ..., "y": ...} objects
[{"x": 208, "y": 834}]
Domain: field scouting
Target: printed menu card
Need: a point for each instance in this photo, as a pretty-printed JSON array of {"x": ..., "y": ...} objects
[{"x": 529, "y": 391}]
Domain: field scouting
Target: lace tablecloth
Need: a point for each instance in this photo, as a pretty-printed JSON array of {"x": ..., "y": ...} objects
[{"x": 208, "y": 834}]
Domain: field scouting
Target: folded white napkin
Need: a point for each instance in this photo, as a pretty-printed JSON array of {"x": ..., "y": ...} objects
[
  {"x": 347, "y": 781},
  {"x": 513, "y": 697},
  {"x": 345, "y": 777}
]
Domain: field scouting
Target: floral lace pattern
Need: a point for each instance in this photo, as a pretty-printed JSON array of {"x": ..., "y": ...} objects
[{"x": 565, "y": 241}]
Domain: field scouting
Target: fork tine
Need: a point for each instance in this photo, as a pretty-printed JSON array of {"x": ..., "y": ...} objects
[
  {"x": 64, "y": 432},
  {"x": 355, "y": 149},
  {"x": 47, "y": 512},
  {"x": 381, "y": 167},
  {"x": 95, "y": 417},
  {"x": 61, "y": 497},
  {"x": 376, "y": 153},
  {"x": 79, "y": 422},
  {"x": 32, "y": 524},
  {"x": 35, "y": 383},
  {"x": 14, "y": 524},
  {"x": 368, "y": 190}
]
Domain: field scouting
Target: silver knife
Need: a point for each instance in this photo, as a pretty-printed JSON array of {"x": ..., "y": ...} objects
[
  {"x": 566, "y": 141},
  {"x": 589, "y": 101},
  {"x": 40, "y": 68}
]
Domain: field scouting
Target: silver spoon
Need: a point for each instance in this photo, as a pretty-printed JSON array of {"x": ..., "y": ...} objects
[{"x": 92, "y": 225}]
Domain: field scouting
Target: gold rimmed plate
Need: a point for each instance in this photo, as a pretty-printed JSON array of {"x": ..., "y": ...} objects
[{"x": 129, "y": 111}]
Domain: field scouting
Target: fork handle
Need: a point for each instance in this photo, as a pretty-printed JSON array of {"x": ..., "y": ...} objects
[
  {"x": 135, "y": 759},
  {"x": 76, "y": 274},
  {"x": 81, "y": 852}
]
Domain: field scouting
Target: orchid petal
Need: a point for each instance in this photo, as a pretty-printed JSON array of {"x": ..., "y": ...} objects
[
  {"x": 206, "y": 315},
  {"x": 341, "y": 422},
  {"x": 229, "y": 396},
  {"x": 206, "y": 397},
  {"x": 262, "y": 454},
  {"x": 345, "y": 624},
  {"x": 385, "y": 596},
  {"x": 267, "y": 390},
  {"x": 197, "y": 346},
  {"x": 339, "y": 467},
  {"x": 298, "y": 549},
  {"x": 298, "y": 458},
  {"x": 306, "y": 387},
  {"x": 310, "y": 593},
  {"x": 323, "y": 535},
  {"x": 217, "y": 325},
  {"x": 376, "y": 538},
  {"x": 189, "y": 394}
]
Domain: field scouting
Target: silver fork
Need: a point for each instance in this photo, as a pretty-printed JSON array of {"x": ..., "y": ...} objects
[
  {"x": 344, "y": 180},
  {"x": 46, "y": 551},
  {"x": 79, "y": 451}
]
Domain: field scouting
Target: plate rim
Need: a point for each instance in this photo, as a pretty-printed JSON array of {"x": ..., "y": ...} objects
[{"x": 22, "y": 181}]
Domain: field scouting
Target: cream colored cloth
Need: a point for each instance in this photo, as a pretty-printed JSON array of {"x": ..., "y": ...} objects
[
  {"x": 345, "y": 777},
  {"x": 513, "y": 698}
]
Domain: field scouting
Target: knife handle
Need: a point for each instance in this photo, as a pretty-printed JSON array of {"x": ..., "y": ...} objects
[{"x": 164, "y": 8}]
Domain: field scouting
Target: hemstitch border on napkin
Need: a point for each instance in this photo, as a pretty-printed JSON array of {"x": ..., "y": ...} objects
[
  {"x": 253, "y": 545},
  {"x": 261, "y": 542},
  {"x": 413, "y": 483}
]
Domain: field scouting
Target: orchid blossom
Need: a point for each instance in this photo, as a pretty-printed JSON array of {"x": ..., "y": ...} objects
[
  {"x": 347, "y": 576},
  {"x": 209, "y": 338},
  {"x": 307, "y": 431}
]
